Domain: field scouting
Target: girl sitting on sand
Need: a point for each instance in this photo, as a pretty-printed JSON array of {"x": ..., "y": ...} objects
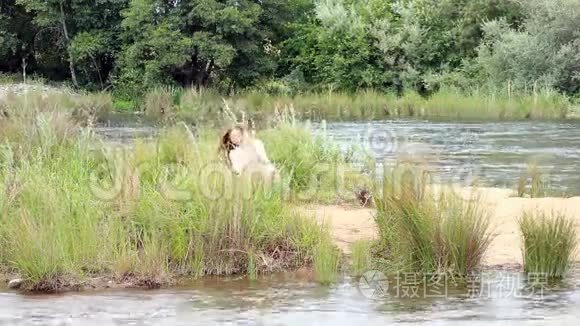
[{"x": 246, "y": 154}]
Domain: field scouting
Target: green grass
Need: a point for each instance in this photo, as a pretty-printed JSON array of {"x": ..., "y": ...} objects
[
  {"x": 326, "y": 262},
  {"x": 426, "y": 231},
  {"x": 199, "y": 106},
  {"x": 361, "y": 257},
  {"x": 82, "y": 108},
  {"x": 454, "y": 104},
  {"x": 314, "y": 168},
  {"x": 549, "y": 243},
  {"x": 532, "y": 183},
  {"x": 71, "y": 209},
  {"x": 121, "y": 105},
  {"x": 16, "y": 78}
]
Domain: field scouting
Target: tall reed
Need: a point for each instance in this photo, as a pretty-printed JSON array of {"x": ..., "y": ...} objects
[
  {"x": 71, "y": 209},
  {"x": 549, "y": 243},
  {"x": 532, "y": 182},
  {"x": 372, "y": 105},
  {"x": 326, "y": 262},
  {"x": 427, "y": 231},
  {"x": 361, "y": 257},
  {"x": 314, "y": 168}
]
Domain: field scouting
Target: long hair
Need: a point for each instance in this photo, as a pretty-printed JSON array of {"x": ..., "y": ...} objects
[{"x": 226, "y": 145}]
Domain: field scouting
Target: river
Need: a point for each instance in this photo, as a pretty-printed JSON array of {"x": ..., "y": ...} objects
[
  {"x": 498, "y": 299},
  {"x": 489, "y": 153}
]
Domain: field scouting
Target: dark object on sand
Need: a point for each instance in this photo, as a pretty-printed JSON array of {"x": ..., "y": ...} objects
[{"x": 364, "y": 196}]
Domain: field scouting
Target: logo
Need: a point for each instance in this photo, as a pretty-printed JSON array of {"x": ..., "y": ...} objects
[{"x": 373, "y": 285}]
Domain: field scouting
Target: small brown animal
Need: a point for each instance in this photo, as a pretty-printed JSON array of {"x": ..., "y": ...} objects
[{"x": 364, "y": 196}]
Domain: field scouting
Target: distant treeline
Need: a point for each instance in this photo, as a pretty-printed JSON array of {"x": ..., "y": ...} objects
[{"x": 294, "y": 46}]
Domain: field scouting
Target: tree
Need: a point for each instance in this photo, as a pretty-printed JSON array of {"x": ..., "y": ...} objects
[
  {"x": 197, "y": 42},
  {"x": 427, "y": 37},
  {"x": 16, "y": 37},
  {"x": 334, "y": 48},
  {"x": 57, "y": 24},
  {"x": 546, "y": 53},
  {"x": 390, "y": 44},
  {"x": 53, "y": 15}
]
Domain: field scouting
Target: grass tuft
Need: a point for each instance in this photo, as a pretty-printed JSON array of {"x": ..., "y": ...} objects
[
  {"x": 326, "y": 262},
  {"x": 158, "y": 103},
  {"x": 532, "y": 182},
  {"x": 361, "y": 257},
  {"x": 426, "y": 231},
  {"x": 549, "y": 243}
]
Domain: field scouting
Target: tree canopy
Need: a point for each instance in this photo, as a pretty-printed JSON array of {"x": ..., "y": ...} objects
[{"x": 421, "y": 45}]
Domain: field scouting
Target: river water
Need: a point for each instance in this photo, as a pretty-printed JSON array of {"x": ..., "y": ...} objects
[
  {"x": 489, "y": 153},
  {"x": 280, "y": 300},
  {"x": 493, "y": 153}
]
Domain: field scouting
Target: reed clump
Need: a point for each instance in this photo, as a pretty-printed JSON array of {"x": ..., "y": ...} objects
[
  {"x": 428, "y": 230},
  {"x": 549, "y": 243},
  {"x": 361, "y": 257},
  {"x": 372, "y": 105},
  {"x": 532, "y": 182},
  {"x": 314, "y": 168},
  {"x": 72, "y": 209},
  {"x": 158, "y": 103},
  {"x": 326, "y": 262}
]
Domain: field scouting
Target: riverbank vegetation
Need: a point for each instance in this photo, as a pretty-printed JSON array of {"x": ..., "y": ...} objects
[
  {"x": 550, "y": 244},
  {"x": 166, "y": 106},
  {"x": 428, "y": 229},
  {"x": 361, "y": 257},
  {"x": 455, "y": 58},
  {"x": 532, "y": 183},
  {"x": 367, "y": 105},
  {"x": 72, "y": 209}
]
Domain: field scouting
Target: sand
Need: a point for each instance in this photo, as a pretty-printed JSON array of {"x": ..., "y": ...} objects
[{"x": 349, "y": 224}]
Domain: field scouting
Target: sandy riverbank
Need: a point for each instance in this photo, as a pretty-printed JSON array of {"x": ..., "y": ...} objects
[{"x": 349, "y": 224}]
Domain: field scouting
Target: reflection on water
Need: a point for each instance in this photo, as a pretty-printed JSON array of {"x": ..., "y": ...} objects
[{"x": 282, "y": 300}]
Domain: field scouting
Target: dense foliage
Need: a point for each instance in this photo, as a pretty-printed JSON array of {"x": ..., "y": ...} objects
[{"x": 289, "y": 46}]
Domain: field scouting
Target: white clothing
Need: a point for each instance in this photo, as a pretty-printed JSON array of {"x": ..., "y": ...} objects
[{"x": 251, "y": 156}]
